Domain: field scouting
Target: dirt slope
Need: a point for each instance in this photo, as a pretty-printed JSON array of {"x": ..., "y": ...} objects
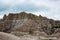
[{"x": 6, "y": 36}]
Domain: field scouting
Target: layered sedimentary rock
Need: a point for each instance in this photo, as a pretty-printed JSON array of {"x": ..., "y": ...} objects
[{"x": 28, "y": 22}]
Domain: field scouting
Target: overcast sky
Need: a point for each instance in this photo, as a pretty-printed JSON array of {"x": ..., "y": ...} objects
[{"x": 48, "y": 8}]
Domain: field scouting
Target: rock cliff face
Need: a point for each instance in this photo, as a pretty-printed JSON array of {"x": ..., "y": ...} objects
[{"x": 27, "y": 22}]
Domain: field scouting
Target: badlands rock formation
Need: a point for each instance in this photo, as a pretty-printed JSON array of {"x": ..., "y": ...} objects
[{"x": 28, "y": 22}]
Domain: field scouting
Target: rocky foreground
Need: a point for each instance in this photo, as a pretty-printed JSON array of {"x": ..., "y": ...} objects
[{"x": 8, "y": 36}]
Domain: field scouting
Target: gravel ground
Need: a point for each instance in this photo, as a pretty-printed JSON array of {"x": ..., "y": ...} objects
[{"x": 6, "y": 36}]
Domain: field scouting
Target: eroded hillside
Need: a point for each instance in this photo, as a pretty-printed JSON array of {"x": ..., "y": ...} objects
[{"x": 28, "y": 22}]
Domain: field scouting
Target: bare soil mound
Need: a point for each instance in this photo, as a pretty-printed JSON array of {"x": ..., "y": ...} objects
[{"x": 6, "y": 36}]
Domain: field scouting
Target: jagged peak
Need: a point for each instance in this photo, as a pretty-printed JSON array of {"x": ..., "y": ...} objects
[
  {"x": 24, "y": 15},
  {"x": 23, "y": 12}
]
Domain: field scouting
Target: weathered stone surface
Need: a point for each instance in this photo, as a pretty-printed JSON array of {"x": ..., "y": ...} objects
[{"x": 27, "y": 22}]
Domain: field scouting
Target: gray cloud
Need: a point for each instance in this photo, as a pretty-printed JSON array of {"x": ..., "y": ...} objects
[
  {"x": 48, "y": 8},
  {"x": 55, "y": 0}
]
